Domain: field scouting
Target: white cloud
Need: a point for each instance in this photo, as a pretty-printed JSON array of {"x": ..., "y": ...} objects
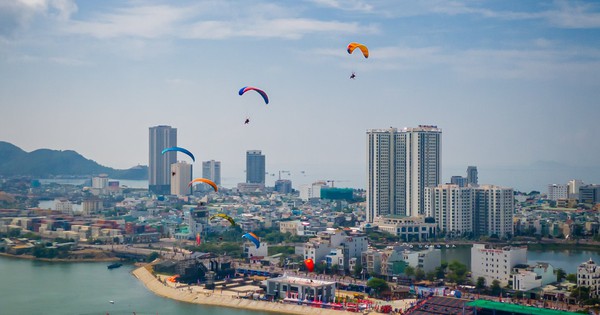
[
  {"x": 347, "y": 5},
  {"x": 144, "y": 21},
  {"x": 17, "y": 15},
  {"x": 571, "y": 14},
  {"x": 199, "y": 22}
]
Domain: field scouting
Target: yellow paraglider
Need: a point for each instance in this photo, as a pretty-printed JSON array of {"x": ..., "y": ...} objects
[
  {"x": 363, "y": 48},
  {"x": 224, "y": 216},
  {"x": 206, "y": 181}
]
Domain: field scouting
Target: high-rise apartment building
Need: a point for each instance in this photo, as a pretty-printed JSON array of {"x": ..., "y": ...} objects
[
  {"x": 212, "y": 170},
  {"x": 452, "y": 208},
  {"x": 493, "y": 211},
  {"x": 459, "y": 180},
  {"x": 255, "y": 167},
  {"x": 481, "y": 211},
  {"x": 181, "y": 176},
  {"x": 472, "y": 176},
  {"x": 400, "y": 164},
  {"x": 159, "y": 166}
]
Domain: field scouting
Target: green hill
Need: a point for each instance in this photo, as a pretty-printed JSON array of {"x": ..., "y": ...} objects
[{"x": 47, "y": 163}]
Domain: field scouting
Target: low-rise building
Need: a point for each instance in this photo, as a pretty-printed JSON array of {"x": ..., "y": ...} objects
[
  {"x": 588, "y": 275},
  {"x": 532, "y": 277},
  {"x": 301, "y": 289},
  {"x": 408, "y": 229},
  {"x": 496, "y": 263}
]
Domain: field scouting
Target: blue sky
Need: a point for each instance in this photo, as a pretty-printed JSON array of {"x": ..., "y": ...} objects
[{"x": 514, "y": 85}]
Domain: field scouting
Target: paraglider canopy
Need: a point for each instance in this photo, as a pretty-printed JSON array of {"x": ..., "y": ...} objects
[
  {"x": 206, "y": 181},
  {"x": 253, "y": 238},
  {"x": 352, "y": 46},
  {"x": 259, "y": 91},
  {"x": 180, "y": 150},
  {"x": 310, "y": 264},
  {"x": 224, "y": 216}
]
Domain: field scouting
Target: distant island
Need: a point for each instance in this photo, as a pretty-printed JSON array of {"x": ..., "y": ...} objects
[{"x": 45, "y": 163}]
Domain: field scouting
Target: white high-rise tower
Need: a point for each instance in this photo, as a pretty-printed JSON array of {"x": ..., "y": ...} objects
[{"x": 400, "y": 164}]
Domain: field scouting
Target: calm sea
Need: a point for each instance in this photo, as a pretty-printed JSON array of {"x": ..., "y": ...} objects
[{"x": 32, "y": 288}]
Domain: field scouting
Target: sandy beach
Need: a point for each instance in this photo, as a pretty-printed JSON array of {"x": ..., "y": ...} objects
[{"x": 225, "y": 298}]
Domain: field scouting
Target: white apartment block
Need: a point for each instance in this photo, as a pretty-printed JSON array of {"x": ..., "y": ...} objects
[
  {"x": 496, "y": 263},
  {"x": 427, "y": 260},
  {"x": 531, "y": 277},
  {"x": 558, "y": 191},
  {"x": 400, "y": 164},
  {"x": 181, "y": 176},
  {"x": 451, "y": 206},
  {"x": 63, "y": 205},
  {"x": 250, "y": 250},
  {"x": 100, "y": 182},
  {"x": 308, "y": 192},
  {"x": 574, "y": 185},
  {"x": 493, "y": 211},
  {"x": 588, "y": 275}
]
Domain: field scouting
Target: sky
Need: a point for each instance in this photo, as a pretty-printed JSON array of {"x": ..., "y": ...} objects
[{"x": 514, "y": 85}]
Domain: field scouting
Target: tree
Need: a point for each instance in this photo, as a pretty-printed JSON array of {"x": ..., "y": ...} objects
[
  {"x": 495, "y": 288},
  {"x": 458, "y": 272},
  {"x": 480, "y": 285},
  {"x": 571, "y": 278},
  {"x": 430, "y": 276},
  {"x": 409, "y": 271},
  {"x": 419, "y": 274},
  {"x": 378, "y": 285},
  {"x": 358, "y": 269},
  {"x": 560, "y": 274},
  {"x": 581, "y": 293}
]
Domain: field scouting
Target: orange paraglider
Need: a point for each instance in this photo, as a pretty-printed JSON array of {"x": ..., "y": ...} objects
[
  {"x": 363, "y": 48},
  {"x": 310, "y": 264},
  {"x": 206, "y": 181}
]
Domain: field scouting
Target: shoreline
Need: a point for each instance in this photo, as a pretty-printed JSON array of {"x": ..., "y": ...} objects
[
  {"x": 78, "y": 260},
  {"x": 215, "y": 299}
]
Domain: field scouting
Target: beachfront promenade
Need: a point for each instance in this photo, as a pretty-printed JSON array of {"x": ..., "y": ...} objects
[{"x": 198, "y": 295}]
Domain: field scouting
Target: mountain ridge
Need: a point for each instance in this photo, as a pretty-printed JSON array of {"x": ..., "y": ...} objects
[{"x": 14, "y": 161}]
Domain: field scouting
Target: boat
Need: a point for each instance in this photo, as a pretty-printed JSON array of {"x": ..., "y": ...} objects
[{"x": 115, "y": 265}]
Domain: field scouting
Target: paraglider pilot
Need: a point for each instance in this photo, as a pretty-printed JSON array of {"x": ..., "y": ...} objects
[
  {"x": 353, "y": 76},
  {"x": 247, "y": 121}
]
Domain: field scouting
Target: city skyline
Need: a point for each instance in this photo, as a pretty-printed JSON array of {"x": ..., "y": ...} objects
[{"x": 512, "y": 84}]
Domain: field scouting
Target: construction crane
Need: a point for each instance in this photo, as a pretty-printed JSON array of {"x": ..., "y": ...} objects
[
  {"x": 284, "y": 172},
  {"x": 332, "y": 181}
]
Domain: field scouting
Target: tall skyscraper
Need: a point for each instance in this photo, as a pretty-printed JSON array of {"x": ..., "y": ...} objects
[
  {"x": 472, "y": 176},
  {"x": 493, "y": 211},
  {"x": 212, "y": 170},
  {"x": 159, "y": 166},
  {"x": 255, "y": 167},
  {"x": 423, "y": 164},
  {"x": 400, "y": 164},
  {"x": 181, "y": 176}
]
